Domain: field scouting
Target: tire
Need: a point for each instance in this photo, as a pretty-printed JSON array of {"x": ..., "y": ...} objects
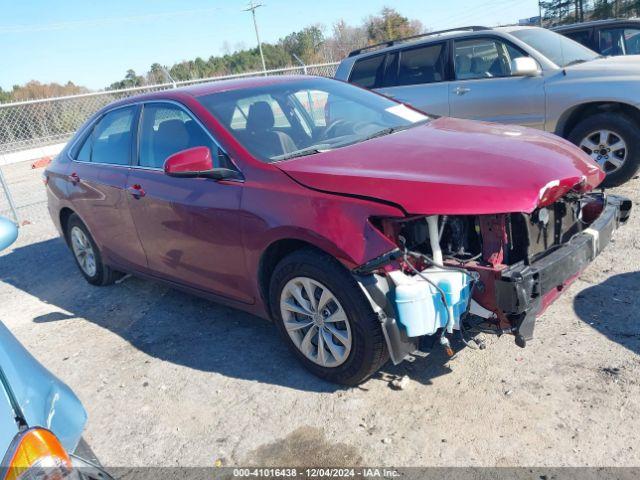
[
  {"x": 367, "y": 351},
  {"x": 626, "y": 129},
  {"x": 102, "y": 274}
]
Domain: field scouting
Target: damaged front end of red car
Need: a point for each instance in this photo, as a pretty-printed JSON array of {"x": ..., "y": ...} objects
[
  {"x": 496, "y": 224},
  {"x": 516, "y": 264}
]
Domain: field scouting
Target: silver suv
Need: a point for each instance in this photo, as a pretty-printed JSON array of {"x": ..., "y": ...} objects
[{"x": 524, "y": 75}]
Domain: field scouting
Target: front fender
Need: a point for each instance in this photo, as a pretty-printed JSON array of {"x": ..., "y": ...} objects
[
  {"x": 44, "y": 400},
  {"x": 336, "y": 224}
]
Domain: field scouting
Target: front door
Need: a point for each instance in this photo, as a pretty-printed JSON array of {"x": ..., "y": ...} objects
[
  {"x": 97, "y": 179},
  {"x": 189, "y": 227},
  {"x": 485, "y": 89}
]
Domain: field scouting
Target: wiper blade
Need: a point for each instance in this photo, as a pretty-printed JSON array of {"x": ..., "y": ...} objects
[
  {"x": 390, "y": 130},
  {"x": 574, "y": 62},
  {"x": 381, "y": 133},
  {"x": 299, "y": 153}
]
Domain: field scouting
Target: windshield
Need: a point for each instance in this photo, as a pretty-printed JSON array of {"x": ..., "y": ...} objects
[
  {"x": 305, "y": 117},
  {"x": 559, "y": 49}
]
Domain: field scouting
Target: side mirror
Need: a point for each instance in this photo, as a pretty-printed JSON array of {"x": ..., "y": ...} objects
[
  {"x": 196, "y": 162},
  {"x": 524, "y": 67},
  {"x": 8, "y": 232}
]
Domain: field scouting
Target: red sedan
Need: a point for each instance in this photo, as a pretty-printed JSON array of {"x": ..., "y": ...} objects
[{"x": 357, "y": 224}]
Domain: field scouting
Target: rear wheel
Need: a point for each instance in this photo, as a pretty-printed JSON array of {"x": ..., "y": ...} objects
[
  {"x": 613, "y": 141},
  {"x": 325, "y": 318},
  {"x": 87, "y": 255}
]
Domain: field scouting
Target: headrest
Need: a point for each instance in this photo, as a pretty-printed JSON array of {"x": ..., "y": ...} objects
[
  {"x": 463, "y": 63},
  {"x": 260, "y": 117},
  {"x": 173, "y": 132}
]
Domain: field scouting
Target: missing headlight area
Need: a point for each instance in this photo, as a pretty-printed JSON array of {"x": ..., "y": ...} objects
[{"x": 491, "y": 273}]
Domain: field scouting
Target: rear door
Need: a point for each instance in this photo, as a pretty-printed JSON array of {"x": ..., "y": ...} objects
[
  {"x": 96, "y": 182},
  {"x": 189, "y": 227},
  {"x": 416, "y": 76},
  {"x": 485, "y": 89}
]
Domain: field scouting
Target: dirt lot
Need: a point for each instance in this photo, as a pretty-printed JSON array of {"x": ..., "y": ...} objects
[{"x": 169, "y": 379}]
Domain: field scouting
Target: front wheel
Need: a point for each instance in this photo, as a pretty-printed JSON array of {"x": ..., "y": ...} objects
[
  {"x": 613, "y": 141},
  {"x": 325, "y": 318}
]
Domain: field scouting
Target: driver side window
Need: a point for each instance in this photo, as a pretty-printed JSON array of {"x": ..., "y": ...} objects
[{"x": 484, "y": 58}]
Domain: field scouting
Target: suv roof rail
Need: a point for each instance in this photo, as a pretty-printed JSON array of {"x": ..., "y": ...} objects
[{"x": 472, "y": 28}]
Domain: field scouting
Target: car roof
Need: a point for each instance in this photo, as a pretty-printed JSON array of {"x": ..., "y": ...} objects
[
  {"x": 427, "y": 38},
  {"x": 211, "y": 87},
  {"x": 595, "y": 23},
  {"x": 434, "y": 37}
]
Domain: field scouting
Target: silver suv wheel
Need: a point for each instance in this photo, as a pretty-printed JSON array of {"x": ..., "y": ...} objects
[
  {"x": 315, "y": 321},
  {"x": 607, "y": 148}
]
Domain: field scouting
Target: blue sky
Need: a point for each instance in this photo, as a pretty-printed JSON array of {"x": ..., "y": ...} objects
[{"x": 93, "y": 43}]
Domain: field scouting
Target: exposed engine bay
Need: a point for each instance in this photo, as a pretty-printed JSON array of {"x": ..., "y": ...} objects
[{"x": 488, "y": 273}]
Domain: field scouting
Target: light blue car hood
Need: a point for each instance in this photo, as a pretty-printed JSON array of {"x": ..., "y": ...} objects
[{"x": 44, "y": 400}]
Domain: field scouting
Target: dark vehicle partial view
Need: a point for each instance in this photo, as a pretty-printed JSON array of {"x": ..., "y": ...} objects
[
  {"x": 357, "y": 224},
  {"x": 607, "y": 37},
  {"x": 517, "y": 75}
]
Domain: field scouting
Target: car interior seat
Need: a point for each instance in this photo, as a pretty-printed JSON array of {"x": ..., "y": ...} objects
[
  {"x": 171, "y": 137},
  {"x": 260, "y": 134}
]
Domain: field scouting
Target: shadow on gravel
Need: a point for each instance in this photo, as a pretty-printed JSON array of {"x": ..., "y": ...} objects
[
  {"x": 175, "y": 326},
  {"x": 424, "y": 368},
  {"x": 160, "y": 321},
  {"x": 613, "y": 308}
]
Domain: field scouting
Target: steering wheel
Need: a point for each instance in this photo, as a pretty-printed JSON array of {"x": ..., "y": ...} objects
[{"x": 329, "y": 129}]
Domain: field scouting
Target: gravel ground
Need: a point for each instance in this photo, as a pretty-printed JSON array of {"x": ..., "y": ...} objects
[{"x": 172, "y": 380}]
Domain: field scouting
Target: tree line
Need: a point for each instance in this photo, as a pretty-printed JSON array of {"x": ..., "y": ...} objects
[
  {"x": 559, "y": 12},
  {"x": 310, "y": 45},
  {"x": 313, "y": 44}
]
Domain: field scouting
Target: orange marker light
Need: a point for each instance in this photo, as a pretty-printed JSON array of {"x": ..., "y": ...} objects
[{"x": 38, "y": 454}]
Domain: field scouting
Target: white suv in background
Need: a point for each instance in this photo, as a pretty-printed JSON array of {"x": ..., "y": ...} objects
[{"x": 522, "y": 75}]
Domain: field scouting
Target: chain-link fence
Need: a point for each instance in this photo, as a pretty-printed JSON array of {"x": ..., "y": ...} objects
[{"x": 35, "y": 124}]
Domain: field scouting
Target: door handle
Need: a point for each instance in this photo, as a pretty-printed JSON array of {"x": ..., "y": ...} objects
[
  {"x": 74, "y": 178},
  {"x": 461, "y": 90},
  {"x": 136, "y": 191}
]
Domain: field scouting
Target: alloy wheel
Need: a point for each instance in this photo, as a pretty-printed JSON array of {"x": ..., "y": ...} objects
[
  {"x": 83, "y": 251},
  {"x": 316, "y": 322},
  {"x": 607, "y": 148}
]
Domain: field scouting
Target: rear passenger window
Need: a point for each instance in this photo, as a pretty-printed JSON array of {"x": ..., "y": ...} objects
[
  {"x": 168, "y": 129},
  {"x": 110, "y": 139},
  {"x": 368, "y": 71},
  {"x": 421, "y": 65}
]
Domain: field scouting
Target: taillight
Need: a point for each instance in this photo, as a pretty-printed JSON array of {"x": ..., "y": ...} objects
[{"x": 37, "y": 455}]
